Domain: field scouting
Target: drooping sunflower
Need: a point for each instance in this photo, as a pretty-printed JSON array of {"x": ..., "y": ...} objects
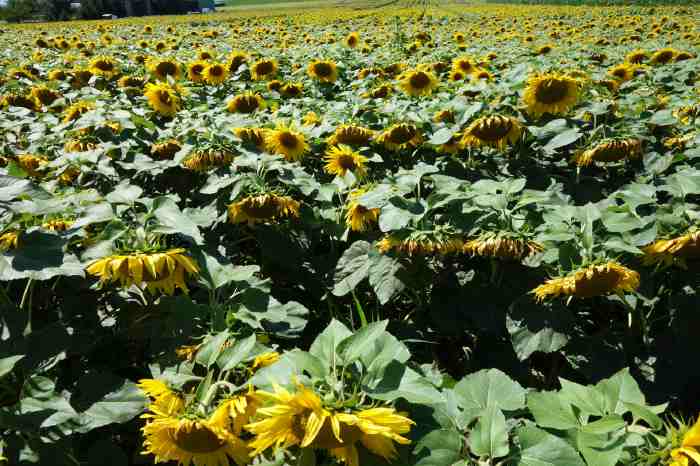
[
  {"x": 104, "y": 66},
  {"x": 57, "y": 75},
  {"x": 590, "y": 281},
  {"x": 262, "y": 208},
  {"x": 341, "y": 159},
  {"x": 203, "y": 160},
  {"x": 264, "y": 360},
  {"x": 161, "y": 69},
  {"x": 156, "y": 271},
  {"x": 301, "y": 419},
  {"x": 46, "y": 96},
  {"x": 663, "y": 56},
  {"x": 674, "y": 251},
  {"x": 17, "y": 100},
  {"x": 380, "y": 92},
  {"x": 165, "y": 150},
  {"x": 235, "y": 60},
  {"x": 421, "y": 243},
  {"x": 76, "y": 110},
  {"x": 550, "y": 93},
  {"x": 195, "y": 71},
  {"x": 418, "y": 82},
  {"x": 357, "y": 216},
  {"x": 57, "y": 224},
  {"x": 9, "y": 240},
  {"x": 401, "y": 136},
  {"x": 254, "y": 136},
  {"x": 351, "y": 135},
  {"x": 622, "y": 72},
  {"x": 215, "y": 73},
  {"x": 163, "y": 98},
  {"x": 637, "y": 56},
  {"x": 263, "y": 69},
  {"x": 248, "y": 102},
  {"x": 131, "y": 82},
  {"x": 292, "y": 89},
  {"x": 31, "y": 163},
  {"x": 80, "y": 144},
  {"x": 325, "y": 71},
  {"x": 493, "y": 131},
  {"x": 611, "y": 151},
  {"x": 285, "y": 141},
  {"x": 501, "y": 246}
]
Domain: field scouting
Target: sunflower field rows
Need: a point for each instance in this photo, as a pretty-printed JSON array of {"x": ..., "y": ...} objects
[{"x": 431, "y": 235}]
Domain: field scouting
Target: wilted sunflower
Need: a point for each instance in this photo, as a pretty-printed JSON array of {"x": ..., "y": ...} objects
[
  {"x": 195, "y": 71},
  {"x": 262, "y": 208},
  {"x": 215, "y": 74},
  {"x": 69, "y": 175},
  {"x": 165, "y": 150},
  {"x": 248, "y": 102},
  {"x": 44, "y": 95},
  {"x": 285, "y": 141},
  {"x": 16, "y": 100},
  {"x": 80, "y": 77},
  {"x": 611, "y": 151},
  {"x": 236, "y": 59},
  {"x": 254, "y": 136},
  {"x": 380, "y": 92},
  {"x": 104, "y": 66},
  {"x": 341, "y": 159},
  {"x": 162, "y": 271},
  {"x": 9, "y": 240},
  {"x": 622, "y": 72},
  {"x": 76, "y": 110},
  {"x": 501, "y": 247},
  {"x": 352, "y": 40},
  {"x": 31, "y": 163},
  {"x": 637, "y": 56},
  {"x": 590, "y": 281},
  {"x": 421, "y": 243},
  {"x": 674, "y": 251},
  {"x": 263, "y": 69},
  {"x": 550, "y": 93},
  {"x": 203, "y": 160},
  {"x": 401, "y": 136},
  {"x": 324, "y": 71},
  {"x": 80, "y": 144},
  {"x": 350, "y": 135},
  {"x": 493, "y": 131},
  {"x": 57, "y": 224},
  {"x": 418, "y": 83},
  {"x": 663, "y": 56},
  {"x": 357, "y": 216},
  {"x": 161, "y": 69},
  {"x": 163, "y": 98},
  {"x": 301, "y": 419}
]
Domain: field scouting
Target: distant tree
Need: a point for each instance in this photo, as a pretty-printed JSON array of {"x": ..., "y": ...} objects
[{"x": 18, "y": 10}]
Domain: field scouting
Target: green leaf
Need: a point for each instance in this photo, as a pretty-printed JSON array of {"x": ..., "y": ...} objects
[
  {"x": 441, "y": 136},
  {"x": 41, "y": 257},
  {"x": 619, "y": 389},
  {"x": 540, "y": 448},
  {"x": 383, "y": 276},
  {"x": 381, "y": 352},
  {"x": 605, "y": 425},
  {"x": 644, "y": 413},
  {"x": 124, "y": 193},
  {"x": 325, "y": 345},
  {"x": 217, "y": 274},
  {"x": 400, "y": 381},
  {"x": 662, "y": 118},
  {"x": 399, "y": 212},
  {"x": 232, "y": 356},
  {"x": 352, "y": 268},
  {"x": 489, "y": 387},
  {"x": 551, "y": 410},
  {"x": 212, "y": 349},
  {"x": 537, "y": 328},
  {"x": 441, "y": 447},
  {"x": 563, "y": 139},
  {"x": 489, "y": 437},
  {"x": 8, "y": 363},
  {"x": 118, "y": 406},
  {"x": 587, "y": 399},
  {"x": 172, "y": 220},
  {"x": 357, "y": 345}
]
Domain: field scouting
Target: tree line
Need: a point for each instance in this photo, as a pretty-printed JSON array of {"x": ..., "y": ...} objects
[{"x": 58, "y": 10}]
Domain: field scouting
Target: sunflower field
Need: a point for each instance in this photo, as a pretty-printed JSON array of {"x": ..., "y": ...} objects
[{"x": 446, "y": 235}]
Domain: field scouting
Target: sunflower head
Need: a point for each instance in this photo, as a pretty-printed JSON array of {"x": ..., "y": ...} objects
[
  {"x": 46, "y": 96},
  {"x": 165, "y": 150},
  {"x": 493, "y": 131},
  {"x": 611, "y": 151},
  {"x": 17, "y": 100},
  {"x": 247, "y": 102},
  {"x": 637, "y": 56},
  {"x": 215, "y": 73},
  {"x": 418, "y": 82},
  {"x": 622, "y": 72},
  {"x": 263, "y": 69},
  {"x": 351, "y": 135},
  {"x": 9, "y": 240},
  {"x": 104, "y": 66},
  {"x": 263, "y": 208},
  {"x": 401, "y": 136},
  {"x": 206, "y": 159},
  {"x": 163, "y": 98},
  {"x": 501, "y": 246},
  {"x": 252, "y": 136},
  {"x": 663, "y": 56},
  {"x": 195, "y": 71},
  {"x": 162, "y": 69},
  {"x": 593, "y": 280},
  {"x": 235, "y": 60},
  {"x": 463, "y": 64},
  {"x": 286, "y": 141},
  {"x": 551, "y": 93},
  {"x": 352, "y": 40},
  {"x": 676, "y": 251},
  {"x": 324, "y": 71},
  {"x": 292, "y": 89},
  {"x": 135, "y": 82},
  {"x": 341, "y": 159},
  {"x": 358, "y": 217},
  {"x": 421, "y": 243}
]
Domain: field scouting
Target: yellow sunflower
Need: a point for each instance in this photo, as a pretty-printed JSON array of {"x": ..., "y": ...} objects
[
  {"x": 130, "y": 82},
  {"x": 215, "y": 73},
  {"x": 161, "y": 69},
  {"x": 324, "y": 71},
  {"x": 263, "y": 69},
  {"x": 463, "y": 64},
  {"x": 45, "y": 95},
  {"x": 341, "y": 159},
  {"x": 262, "y": 208},
  {"x": 357, "y": 216},
  {"x": 663, "y": 56},
  {"x": 301, "y": 419},
  {"x": 285, "y": 141},
  {"x": 165, "y": 150},
  {"x": 163, "y": 98},
  {"x": 31, "y": 163},
  {"x": 104, "y": 66},
  {"x": 674, "y": 251},
  {"x": 401, "y": 136},
  {"x": 264, "y": 360},
  {"x": 203, "y": 160},
  {"x": 247, "y": 102},
  {"x": 163, "y": 400},
  {"x": 501, "y": 247},
  {"x": 162, "y": 271},
  {"x": 351, "y": 135},
  {"x": 76, "y": 110},
  {"x": 418, "y": 83},
  {"x": 254, "y": 136},
  {"x": 9, "y": 240},
  {"x": 493, "y": 131},
  {"x": 195, "y": 71},
  {"x": 352, "y": 40},
  {"x": 16, "y": 100},
  {"x": 421, "y": 244},
  {"x": 235, "y": 60},
  {"x": 688, "y": 452},
  {"x": 637, "y": 56},
  {"x": 590, "y": 281},
  {"x": 611, "y": 151},
  {"x": 57, "y": 225},
  {"x": 622, "y": 72},
  {"x": 550, "y": 93}
]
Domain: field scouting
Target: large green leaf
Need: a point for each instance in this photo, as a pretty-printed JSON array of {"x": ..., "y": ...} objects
[
  {"x": 384, "y": 274},
  {"x": 486, "y": 388},
  {"x": 540, "y": 448},
  {"x": 358, "y": 344},
  {"x": 551, "y": 410},
  {"x": 352, "y": 268},
  {"x": 441, "y": 447},
  {"x": 8, "y": 363},
  {"x": 326, "y": 344},
  {"x": 619, "y": 389},
  {"x": 233, "y": 355},
  {"x": 489, "y": 437},
  {"x": 173, "y": 220}
]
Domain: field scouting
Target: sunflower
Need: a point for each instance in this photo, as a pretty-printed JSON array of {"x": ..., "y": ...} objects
[
  {"x": 163, "y": 98},
  {"x": 44, "y": 95},
  {"x": 79, "y": 145},
  {"x": 161, "y": 69},
  {"x": 235, "y": 60},
  {"x": 264, "y": 360},
  {"x": 418, "y": 83},
  {"x": 351, "y": 135},
  {"x": 9, "y": 240},
  {"x": 663, "y": 56},
  {"x": 104, "y": 66},
  {"x": 324, "y": 71},
  {"x": 611, "y": 151},
  {"x": 76, "y": 110},
  {"x": 16, "y": 100},
  {"x": 195, "y": 71},
  {"x": 493, "y": 131},
  {"x": 341, "y": 159},
  {"x": 80, "y": 77},
  {"x": 401, "y": 136},
  {"x": 57, "y": 75},
  {"x": 622, "y": 72},
  {"x": 134, "y": 82},
  {"x": 463, "y": 64},
  {"x": 215, "y": 74},
  {"x": 284, "y": 140},
  {"x": 380, "y": 92},
  {"x": 31, "y": 163},
  {"x": 688, "y": 452},
  {"x": 637, "y": 56},
  {"x": 262, "y": 208},
  {"x": 357, "y": 216},
  {"x": 421, "y": 243},
  {"x": 263, "y": 69},
  {"x": 162, "y": 271},
  {"x": 674, "y": 251},
  {"x": 291, "y": 89},
  {"x": 444, "y": 116},
  {"x": 352, "y": 40},
  {"x": 550, "y": 93},
  {"x": 57, "y": 225},
  {"x": 164, "y": 401},
  {"x": 254, "y": 136},
  {"x": 247, "y": 102},
  {"x": 165, "y": 150},
  {"x": 311, "y": 119},
  {"x": 69, "y": 175},
  {"x": 203, "y": 160},
  {"x": 544, "y": 49},
  {"x": 590, "y": 281},
  {"x": 301, "y": 419},
  {"x": 501, "y": 247},
  {"x": 275, "y": 85}
]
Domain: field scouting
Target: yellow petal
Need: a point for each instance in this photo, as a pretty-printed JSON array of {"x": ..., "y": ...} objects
[
  {"x": 692, "y": 437},
  {"x": 313, "y": 427},
  {"x": 136, "y": 269}
]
